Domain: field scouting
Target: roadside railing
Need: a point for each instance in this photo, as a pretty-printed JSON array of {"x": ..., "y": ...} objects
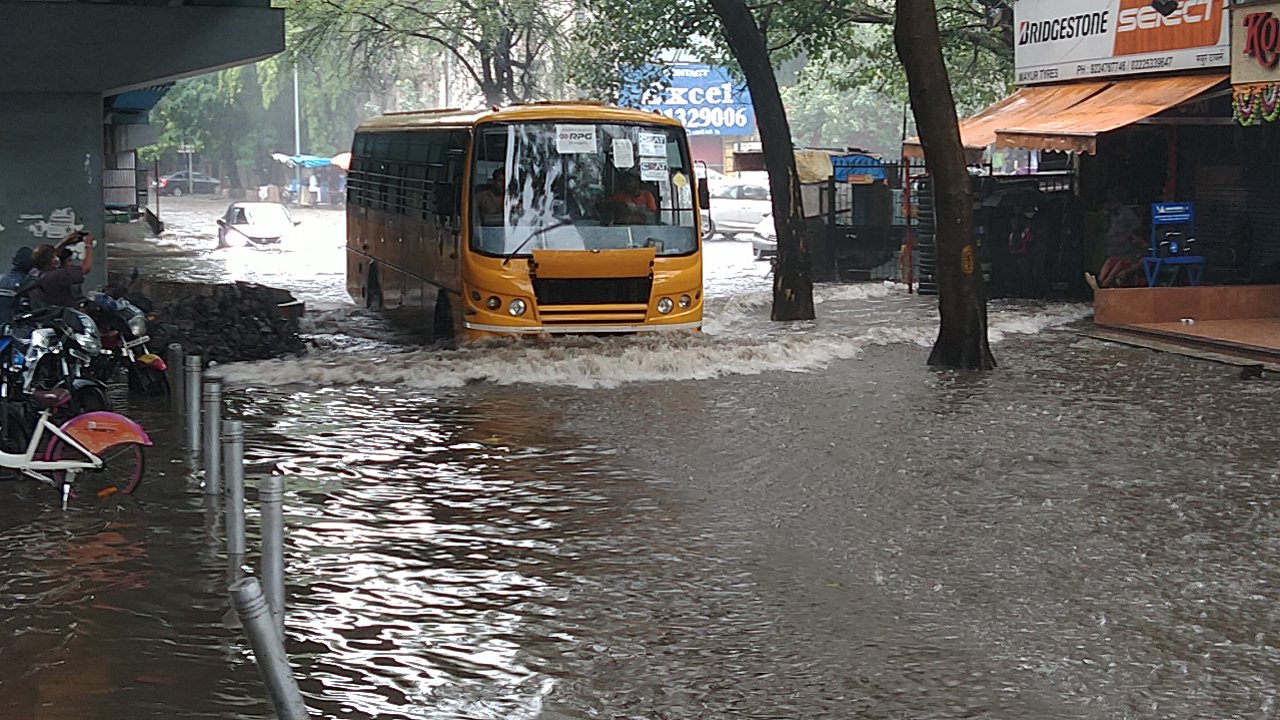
[{"x": 258, "y": 602}]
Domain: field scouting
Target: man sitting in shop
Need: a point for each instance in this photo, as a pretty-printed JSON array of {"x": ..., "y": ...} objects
[{"x": 1125, "y": 246}]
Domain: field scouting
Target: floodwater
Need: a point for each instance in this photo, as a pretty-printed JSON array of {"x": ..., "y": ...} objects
[{"x": 764, "y": 521}]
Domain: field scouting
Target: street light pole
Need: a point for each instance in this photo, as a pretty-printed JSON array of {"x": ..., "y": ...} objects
[{"x": 297, "y": 135}]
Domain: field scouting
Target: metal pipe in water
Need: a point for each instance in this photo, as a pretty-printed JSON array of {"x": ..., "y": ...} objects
[
  {"x": 193, "y": 369},
  {"x": 233, "y": 475},
  {"x": 212, "y": 443},
  {"x": 268, "y": 649},
  {"x": 271, "y": 495}
]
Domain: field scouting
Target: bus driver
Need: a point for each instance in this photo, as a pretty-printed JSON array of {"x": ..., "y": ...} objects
[{"x": 490, "y": 199}]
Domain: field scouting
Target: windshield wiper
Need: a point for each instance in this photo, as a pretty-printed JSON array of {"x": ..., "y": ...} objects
[{"x": 533, "y": 235}]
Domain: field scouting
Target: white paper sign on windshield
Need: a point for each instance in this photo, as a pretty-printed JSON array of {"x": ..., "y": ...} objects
[
  {"x": 573, "y": 139},
  {"x": 653, "y": 144},
  {"x": 623, "y": 154},
  {"x": 653, "y": 169}
]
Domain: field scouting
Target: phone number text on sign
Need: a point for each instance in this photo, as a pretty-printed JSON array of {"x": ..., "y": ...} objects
[{"x": 711, "y": 118}]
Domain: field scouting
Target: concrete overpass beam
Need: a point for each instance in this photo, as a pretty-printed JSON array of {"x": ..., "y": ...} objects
[{"x": 109, "y": 48}]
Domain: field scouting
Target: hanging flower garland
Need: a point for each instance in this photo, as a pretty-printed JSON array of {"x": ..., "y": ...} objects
[
  {"x": 1243, "y": 106},
  {"x": 1256, "y": 104},
  {"x": 1269, "y": 101}
]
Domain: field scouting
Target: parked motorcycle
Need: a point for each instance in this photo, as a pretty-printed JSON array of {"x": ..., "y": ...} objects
[
  {"x": 51, "y": 347},
  {"x": 124, "y": 344},
  {"x": 41, "y": 350},
  {"x": 63, "y": 344}
]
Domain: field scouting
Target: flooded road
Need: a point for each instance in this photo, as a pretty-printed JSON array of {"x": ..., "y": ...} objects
[{"x": 765, "y": 521}]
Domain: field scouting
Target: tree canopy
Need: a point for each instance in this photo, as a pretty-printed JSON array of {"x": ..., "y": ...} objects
[
  {"x": 509, "y": 49},
  {"x": 845, "y": 47}
]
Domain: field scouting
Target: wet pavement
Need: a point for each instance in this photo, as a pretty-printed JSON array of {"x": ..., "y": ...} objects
[{"x": 763, "y": 521}]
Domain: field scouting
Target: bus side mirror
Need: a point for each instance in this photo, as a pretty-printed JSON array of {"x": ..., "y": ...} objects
[{"x": 704, "y": 194}]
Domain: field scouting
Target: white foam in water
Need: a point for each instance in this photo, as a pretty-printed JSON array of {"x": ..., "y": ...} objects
[
  {"x": 571, "y": 362},
  {"x": 1029, "y": 321},
  {"x": 740, "y": 341},
  {"x": 860, "y": 291}
]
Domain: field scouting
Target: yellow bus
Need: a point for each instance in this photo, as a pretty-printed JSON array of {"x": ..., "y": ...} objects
[{"x": 532, "y": 219}]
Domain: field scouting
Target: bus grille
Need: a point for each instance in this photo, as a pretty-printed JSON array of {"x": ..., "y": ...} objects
[{"x": 592, "y": 291}]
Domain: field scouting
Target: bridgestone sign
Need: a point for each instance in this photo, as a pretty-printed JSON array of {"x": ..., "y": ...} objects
[
  {"x": 1102, "y": 38},
  {"x": 1067, "y": 28}
]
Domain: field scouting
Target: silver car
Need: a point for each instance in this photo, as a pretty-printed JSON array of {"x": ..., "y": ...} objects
[
  {"x": 254, "y": 223},
  {"x": 764, "y": 238},
  {"x": 737, "y": 208}
]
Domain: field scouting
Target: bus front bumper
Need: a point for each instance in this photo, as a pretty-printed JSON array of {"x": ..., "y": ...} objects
[{"x": 578, "y": 329}]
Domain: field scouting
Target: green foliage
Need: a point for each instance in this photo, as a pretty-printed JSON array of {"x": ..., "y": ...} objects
[
  {"x": 508, "y": 48},
  {"x": 851, "y": 89},
  {"x": 823, "y": 116},
  {"x": 238, "y": 117}
]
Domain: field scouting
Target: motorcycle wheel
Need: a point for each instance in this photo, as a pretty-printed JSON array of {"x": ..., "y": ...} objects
[
  {"x": 121, "y": 470},
  {"x": 90, "y": 398},
  {"x": 148, "y": 382},
  {"x": 15, "y": 430}
]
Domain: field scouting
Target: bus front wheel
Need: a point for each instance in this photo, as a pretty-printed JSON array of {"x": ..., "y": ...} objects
[
  {"x": 373, "y": 289},
  {"x": 444, "y": 327}
]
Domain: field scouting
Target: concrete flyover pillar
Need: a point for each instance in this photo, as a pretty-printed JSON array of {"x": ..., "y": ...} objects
[
  {"x": 61, "y": 60},
  {"x": 51, "y": 177}
]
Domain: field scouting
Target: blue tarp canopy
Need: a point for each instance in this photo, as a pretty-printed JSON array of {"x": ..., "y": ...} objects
[
  {"x": 858, "y": 168},
  {"x": 306, "y": 161}
]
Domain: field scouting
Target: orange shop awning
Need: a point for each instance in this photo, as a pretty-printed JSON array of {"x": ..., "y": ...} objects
[
  {"x": 1122, "y": 103},
  {"x": 979, "y": 132}
]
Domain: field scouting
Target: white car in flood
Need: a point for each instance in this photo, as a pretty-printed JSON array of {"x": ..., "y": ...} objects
[
  {"x": 737, "y": 207},
  {"x": 254, "y": 223}
]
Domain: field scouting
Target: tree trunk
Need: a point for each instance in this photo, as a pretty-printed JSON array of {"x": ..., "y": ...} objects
[
  {"x": 962, "y": 336},
  {"x": 792, "y": 274}
]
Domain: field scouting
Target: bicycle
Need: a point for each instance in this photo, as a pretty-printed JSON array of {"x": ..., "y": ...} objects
[{"x": 104, "y": 447}]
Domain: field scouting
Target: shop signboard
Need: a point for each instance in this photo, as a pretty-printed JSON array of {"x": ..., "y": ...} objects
[
  {"x": 706, "y": 98},
  {"x": 1255, "y": 43},
  {"x": 1172, "y": 213},
  {"x": 1057, "y": 41}
]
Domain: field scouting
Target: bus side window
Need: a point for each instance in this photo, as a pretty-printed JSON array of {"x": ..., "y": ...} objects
[
  {"x": 432, "y": 152},
  {"x": 449, "y": 190}
]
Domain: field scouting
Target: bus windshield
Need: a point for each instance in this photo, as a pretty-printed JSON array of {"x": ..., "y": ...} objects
[{"x": 581, "y": 186}]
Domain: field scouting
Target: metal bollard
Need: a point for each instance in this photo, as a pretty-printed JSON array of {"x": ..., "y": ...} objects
[
  {"x": 212, "y": 444},
  {"x": 268, "y": 649},
  {"x": 193, "y": 368},
  {"x": 271, "y": 495},
  {"x": 233, "y": 474},
  {"x": 173, "y": 361}
]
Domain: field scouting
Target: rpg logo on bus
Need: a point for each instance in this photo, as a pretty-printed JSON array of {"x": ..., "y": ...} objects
[{"x": 1140, "y": 29}]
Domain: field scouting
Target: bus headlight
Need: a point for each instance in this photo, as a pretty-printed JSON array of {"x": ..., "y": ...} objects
[
  {"x": 665, "y": 305},
  {"x": 685, "y": 302},
  {"x": 493, "y": 303},
  {"x": 517, "y": 307}
]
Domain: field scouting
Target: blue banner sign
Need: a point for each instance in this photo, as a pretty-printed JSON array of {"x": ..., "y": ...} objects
[
  {"x": 1171, "y": 213},
  {"x": 703, "y": 97}
]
